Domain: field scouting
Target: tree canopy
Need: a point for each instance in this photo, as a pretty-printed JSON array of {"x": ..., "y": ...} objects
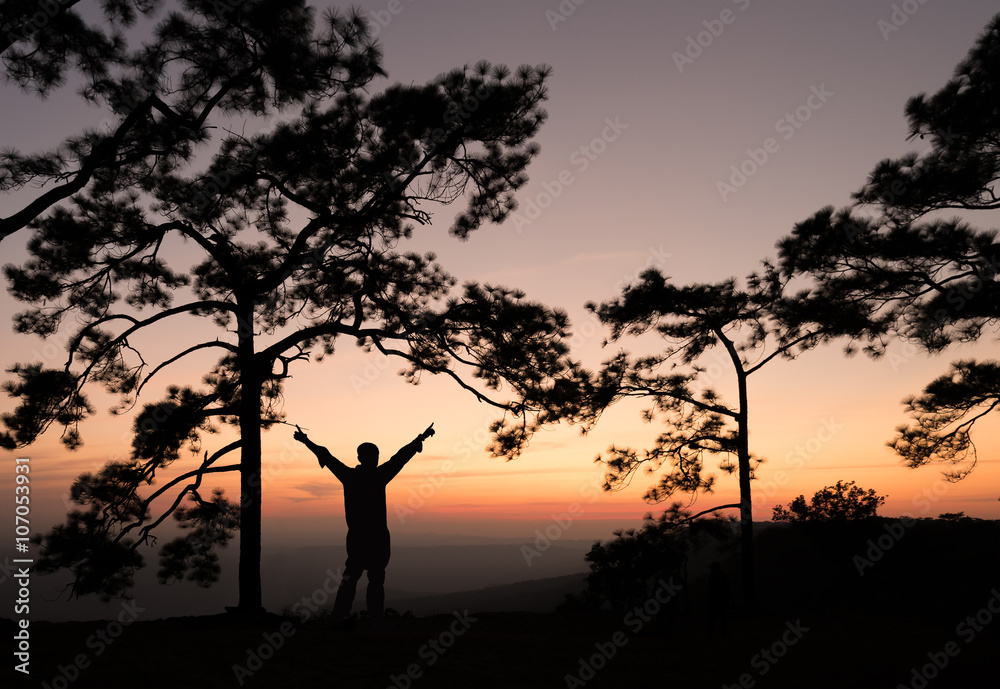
[
  {"x": 844, "y": 501},
  {"x": 893, "y": 267},
  {"x": 744, "y": 327},
  {"x": 627, "y": 570},
  {"x": 297, "y": 231}
]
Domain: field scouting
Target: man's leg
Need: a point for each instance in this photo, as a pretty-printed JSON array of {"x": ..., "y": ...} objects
[
  {"x": 345, "y": 592},
  {"x": 375, "y": 598}
]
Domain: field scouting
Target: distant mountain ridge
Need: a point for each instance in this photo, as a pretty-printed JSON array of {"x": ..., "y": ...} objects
[
  {"x": 416, "y": 575},
  {"x": 535, "y": 595}
]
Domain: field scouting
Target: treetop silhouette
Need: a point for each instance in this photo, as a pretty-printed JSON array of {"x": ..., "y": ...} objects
[
  {"x": 905, "y": 272},
  {"x": 748, "y": 326},
  {"x": 844, "y": 501}
]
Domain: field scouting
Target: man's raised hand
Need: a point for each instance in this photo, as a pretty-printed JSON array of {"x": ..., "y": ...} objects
[
  {"x": 427, "y": 434},
  {"x": 299, "y": 435}
]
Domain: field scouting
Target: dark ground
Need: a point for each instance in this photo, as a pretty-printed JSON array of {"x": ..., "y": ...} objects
[
  {"x": 825, "y": 624},
  {"x": 517, "y": 650}
]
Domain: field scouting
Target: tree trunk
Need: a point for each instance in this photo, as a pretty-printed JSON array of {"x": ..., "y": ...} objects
[
  {"x": 250, "y": 473},
  {"x": 746, "y": 504}
]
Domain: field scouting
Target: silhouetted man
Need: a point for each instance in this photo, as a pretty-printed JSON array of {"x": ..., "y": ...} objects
[{"x": 367, "y": 527}]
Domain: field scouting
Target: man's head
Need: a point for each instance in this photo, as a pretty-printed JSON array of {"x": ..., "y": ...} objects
[{"x": 368, "y": 454}]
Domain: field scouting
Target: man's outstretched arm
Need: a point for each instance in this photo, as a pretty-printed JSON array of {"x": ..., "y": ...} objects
[
  {"x": 404, "y": 455},
  {"x": 326, "y": 459}
]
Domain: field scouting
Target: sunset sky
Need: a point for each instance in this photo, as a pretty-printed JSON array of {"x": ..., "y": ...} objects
[{"x": 642, "y": 129}]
